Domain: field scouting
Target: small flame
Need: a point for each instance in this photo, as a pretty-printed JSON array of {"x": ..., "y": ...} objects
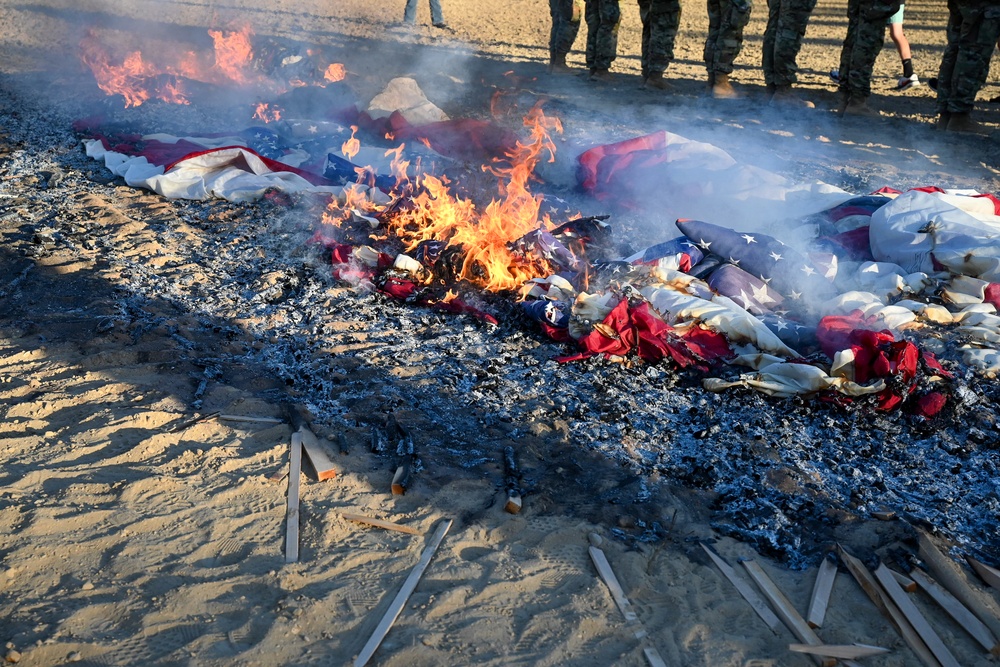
[
  {"x": 335, "y": 72},
  {"x": 266, "y": 113},
  {"x": 351, "y": 147},
  {"x": 233, "y": 52}
]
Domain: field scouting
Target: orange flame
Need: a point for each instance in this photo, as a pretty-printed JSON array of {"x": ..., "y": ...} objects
[
  {"x": 266, "y": 113},
  {"x": 351, "y": 147},
  {"x": 335, "y": 72},
  {"x": 484, "y": 235},
  {"x": 232, "y": 53}
]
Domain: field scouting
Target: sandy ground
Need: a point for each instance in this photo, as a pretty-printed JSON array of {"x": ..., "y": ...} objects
[{"x": 131, "y": 533}]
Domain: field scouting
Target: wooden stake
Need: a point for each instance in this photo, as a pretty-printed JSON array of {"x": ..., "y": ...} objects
[
  {"x": 513, "y": 504},
  {"x": 990, "y": 575},
  {"x": 958, "y": 611},
  {"x": 822, "y": 588},
  {"x": 512, "y": 480},
  {"x": 618, "y": 594},
  {"x": 321, "y": 463},
  {"x": 292, "y": 513},
  {"x": 388, "y": 525},
  {"x": 842, "y": 651},
  {"x": 888, "y": 608},
  {"x": 950, "y": 575},
  {"x": 916, "y": 619},
  {"x": 396, "y": 607},
  {"x": 786, "y": 612},
  {"x": 748, "y": 593},
  {"x": 907, "y": 584}
]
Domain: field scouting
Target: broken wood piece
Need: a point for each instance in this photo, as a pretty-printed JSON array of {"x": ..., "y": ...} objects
[
  {"x": 321, "y": 463},
  {"x": 907, "y": 584},
  {"x": 948, "y": 573},
  {"x": 191, "y": 422},
  {"x": 748, "y": 593},
  {"x": 885, "y": 605},
  {"x": 916, "y": 619},
  {"x": 618, "y": 595},
  {"x": 277, "y": 475},
  {"x": 841, "y": 651},
  {"x": 250, "y": 418},
  {"x": 396, "y": 607},
  {"x": 990, "y": 575},
  {"x": 513, "y": 504},
  {"x": 785, "y": 611},
  {"x": 965, "y": 618},
  {"x": 292, "y": 512},
  {"x": 388, "y": 525},
  {"x": 401, "y": 480},
  {"x": 512, "y": 481},
  {"x": 820, "y": 598}
]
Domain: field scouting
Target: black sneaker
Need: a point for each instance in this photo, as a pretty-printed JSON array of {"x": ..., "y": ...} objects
[{"x": 441, "y": 25}]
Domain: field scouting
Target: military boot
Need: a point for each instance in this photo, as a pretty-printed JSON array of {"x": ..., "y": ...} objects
[
  {"x": 961, "y": 122},
  {"x": 711, "y": 82},
  {"x": 858, "y": 106},
  {"x": 769, "y": 90},
  {"x": 722, "y": 89},
  {"x": 786, "y": 97},
  {"x": 557, "y": 65},
  {"x": 843, "y": 97},
  {"x": 942, "y": 121},
  {"x": 655, "y": 81},
  {"x": 603, "y": 75}
]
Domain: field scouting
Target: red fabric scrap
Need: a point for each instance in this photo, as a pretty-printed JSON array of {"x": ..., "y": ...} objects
[
  {"x": 992, "y": 294},
  {"x": 397, "y": 288},
  {"x": 707, "y": 344},
  {"x": 459, "y": 307}
]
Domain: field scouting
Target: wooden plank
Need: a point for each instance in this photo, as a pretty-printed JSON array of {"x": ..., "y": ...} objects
[
  {"x": 785, "y": 611},
  {"x": 321, "y": 463},
  {"x": 388, "y": 525},
  {"x": 618, "y": 594},
  {"x": 907, "y": 584},
  {"x": 820, "y": 598},
  {"x": 251, "y": 418},
  {"x": 948, "y": 573},
  {"x": 888, "y": 608},
  {"x": 965, "y": 618},
  {"x": 396, "y": 607},
  {"x": 916, "y": 619},
  {"x": 842, "y": 651},
  {"x": 292, "y": 512},
  {"x": 748, "y": 593},
  {"x": 990, "y": 575}
]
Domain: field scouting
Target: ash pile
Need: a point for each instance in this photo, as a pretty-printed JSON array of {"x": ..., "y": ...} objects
[{"x": 429, "y": 364}]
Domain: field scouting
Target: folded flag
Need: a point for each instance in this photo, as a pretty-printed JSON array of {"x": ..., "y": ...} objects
[{"x": 679, "y": 254}]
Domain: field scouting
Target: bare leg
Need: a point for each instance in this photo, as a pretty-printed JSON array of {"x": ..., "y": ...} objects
[{"x": 899, "y": 39}]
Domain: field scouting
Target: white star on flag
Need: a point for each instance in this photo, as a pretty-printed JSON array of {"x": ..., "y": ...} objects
[
  {"x": 808, "y": 270},
  {"x": 749, "y": 239},
  {"x": 734, "y": 261},
  {"x": 704, "y": 244},
  {"x": 760, "y": 293},
  {"x": 776, "y": 257},
  {"x": 781, "y": 325},
  {"x": 795, "y": 295}
]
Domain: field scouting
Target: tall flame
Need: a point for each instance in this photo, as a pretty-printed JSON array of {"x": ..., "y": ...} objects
[{"x": 351, "y": 147}]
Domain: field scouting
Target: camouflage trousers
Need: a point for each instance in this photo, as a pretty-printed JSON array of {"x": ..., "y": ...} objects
[
  {"x": 726, "y": 20},
  {"x": 660, "y": 19},
  {"x": 866, "y": 20},
  {"x": 973, "y": 30},
  {"x": 603, "y": 17},
  {"x": 786, "y": 26},
  {"x": 566, "y": 15}
]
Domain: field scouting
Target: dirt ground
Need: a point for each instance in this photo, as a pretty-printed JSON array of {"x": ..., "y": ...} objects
[{"x": 131, "y": 532}]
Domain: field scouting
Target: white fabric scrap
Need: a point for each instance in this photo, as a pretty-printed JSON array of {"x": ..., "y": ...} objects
[
  {"x": 786, "y": 379},
  {"x": 404, "y": 95}
]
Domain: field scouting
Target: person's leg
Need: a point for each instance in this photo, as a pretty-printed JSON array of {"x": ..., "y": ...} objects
[
  {"x": 664, "y": 19},
  {"x": 953, "y": 32},
  {"x": 898, "y": 38},
  {"x": 767, "y": 58},
  {"x": 437, "y": 18},
  {"x": 410, "y": 13},
  {"x": 714, "y": 9},
  {"x": 847, "y": 50},
  {"x": 978, "y": 38},
  {"x": 789, "y": 33},
  {"x": 645, "y": 6},
  {"x": 607, "y": 34},
  {"x": 592, "y": 16}
]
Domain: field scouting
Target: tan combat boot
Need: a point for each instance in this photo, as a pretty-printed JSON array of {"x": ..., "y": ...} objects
[
  {"x": 722, "y": 89},
  {"x": 656, "y": 81},
  {"x": 961, "y": 122},
  {"x": 602, "y": 75},
  {"x": 858, "y": 106},
  {"x": 786, "y": 97},
  {"x": 557, "y": 65}
]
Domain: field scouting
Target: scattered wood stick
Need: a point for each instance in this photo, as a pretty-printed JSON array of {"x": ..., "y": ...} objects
[
  {"x": 388, "y": 525},
  {"x": 916, "y": 619},
  {"x": 292, "y": 513},
  {"x": 512, "y": 481},
  {"x": 990, "y": 575},
  {"x": 401, "y": 479},
  {"x": 820, "y": 598},
  {"x": 396, "y": 607},
  {"x": 948, "y": 573},
  {"x": 965, "y": 618},
  {"x": 748, "y": 593},
  {"x": 278, "y": 475},
  {"x": 618, "y": 595},
  {"x": 907, "y": 584},
  {"x": 842, "y": 651},
  {"x": 885, "y": 605},
  {"x": 250, "y": 418},
  {"x": 320, "y": 462},
  {"x": 786, "y": 612},
  {"x": 183, "y": 426}
]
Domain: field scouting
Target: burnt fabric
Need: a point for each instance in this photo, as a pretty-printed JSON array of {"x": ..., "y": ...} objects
[
  {"x": 786, "y": 26},
  {"x": 785, "y": 270},
  {"x": 678, "y": 253}
]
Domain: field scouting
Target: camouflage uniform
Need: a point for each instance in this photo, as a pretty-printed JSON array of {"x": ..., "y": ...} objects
[
  {"x": 603, "y": 17},
  {"x": 660, "y": 19},
  {"x": 726, "y": 20},
  {"x": 786, "y": 26},
  {"x": 866, "y": 21},
  {"x": 566, "y": 16},
  {"x": 973, "y": 30}
]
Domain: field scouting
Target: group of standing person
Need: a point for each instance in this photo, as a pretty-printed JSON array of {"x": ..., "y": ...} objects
[{"x": 973, "y": 31}]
